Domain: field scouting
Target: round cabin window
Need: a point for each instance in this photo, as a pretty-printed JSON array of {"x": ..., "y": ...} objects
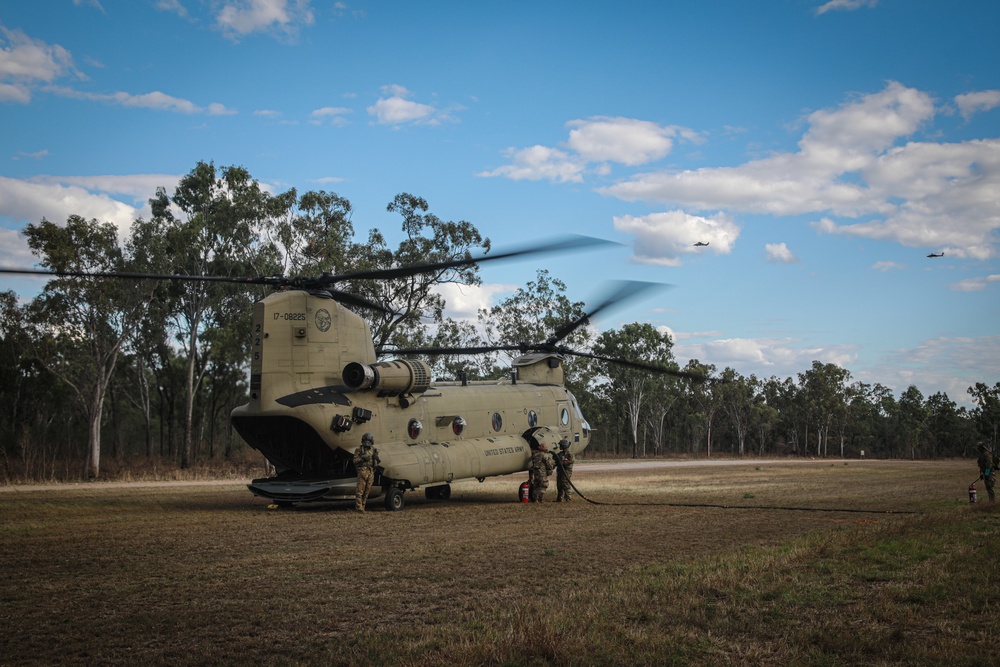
[
  {"x": 497, "y": 421},
  {"x": 532, "y": 419},
  {"x": 564, "y": 417},
  {"x": 458, "y": 425},
  {"x": 414, "y": 428}
]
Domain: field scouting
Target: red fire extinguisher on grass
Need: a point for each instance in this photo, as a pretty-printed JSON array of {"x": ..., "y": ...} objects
[{"x": 524, "y": 493}]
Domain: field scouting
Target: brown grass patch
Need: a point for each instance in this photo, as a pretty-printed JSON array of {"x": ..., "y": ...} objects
[{"x": 105, "y": 574}]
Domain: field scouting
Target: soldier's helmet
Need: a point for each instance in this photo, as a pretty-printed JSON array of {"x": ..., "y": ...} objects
[
  {"x": 367, "y": 439},
  {"x": 564, "y": 444},
  {"x": 982, "y": 446}
]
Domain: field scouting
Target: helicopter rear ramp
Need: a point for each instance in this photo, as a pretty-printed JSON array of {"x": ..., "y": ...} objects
[{"x": 304, "y": 490}]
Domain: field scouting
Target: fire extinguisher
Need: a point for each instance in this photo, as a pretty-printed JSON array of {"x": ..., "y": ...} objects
[
  {"x": 524, "y": 493},
  {"x": 972, "y": 492}
]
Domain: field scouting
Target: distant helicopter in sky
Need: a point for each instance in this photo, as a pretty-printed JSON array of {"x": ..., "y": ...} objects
[
  {"x": 701, "y": 243},
  {"x": 936, "y": 254}
]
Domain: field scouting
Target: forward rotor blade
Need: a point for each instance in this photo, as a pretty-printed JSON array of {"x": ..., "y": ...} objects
[
  {"x": 144, "y": 276},
  {"x": 566, "y": 244},
  {"x": 625, "y": 291}
]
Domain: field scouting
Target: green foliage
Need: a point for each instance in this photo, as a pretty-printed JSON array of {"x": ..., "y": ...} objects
[{"x": 529, "y": 316}]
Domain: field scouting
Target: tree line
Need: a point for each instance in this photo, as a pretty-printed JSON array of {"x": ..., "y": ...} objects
[{"x": 141, "y": 371}]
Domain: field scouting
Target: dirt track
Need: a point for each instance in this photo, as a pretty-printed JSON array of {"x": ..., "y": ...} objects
[{"x": 581, "y": 467}]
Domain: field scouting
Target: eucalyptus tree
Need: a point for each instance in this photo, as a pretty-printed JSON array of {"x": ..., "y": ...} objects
[
  {"x": 624, "y": 386},
  {"x": 220, "y": 230},
  {"x": 412, "y": 302},
  {"x": 531, "y": 315},
  {"x": 949, "y": 429},
  {"x": 764, "y": 418},
  {"x": 783, "y": 397},
  {"x": 15, "y": 376},
  {"x": 703, "y": 402},
  {"x": 824, "y": 388},
  {"x": 80, "y": 324},
  {"x": 737, "y": 394},
  {"x": 987, "y": 411},
  {"x": 664, "y": 392},
  {"x": 315, "y": 235},
  {"x": 912, "y": 419}
]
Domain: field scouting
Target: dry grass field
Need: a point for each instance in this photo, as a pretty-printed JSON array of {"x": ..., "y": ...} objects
[{"x": 184, "y": 574}]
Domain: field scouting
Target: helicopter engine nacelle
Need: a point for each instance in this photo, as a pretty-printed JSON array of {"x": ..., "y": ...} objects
[{"x": 390, "y": 378}]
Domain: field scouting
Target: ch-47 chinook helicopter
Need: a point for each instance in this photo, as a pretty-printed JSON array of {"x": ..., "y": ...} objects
[{"x": 316, "y": 385}]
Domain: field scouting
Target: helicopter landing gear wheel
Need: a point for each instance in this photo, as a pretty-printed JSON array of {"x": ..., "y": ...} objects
[{"x": 394, "y": 499}]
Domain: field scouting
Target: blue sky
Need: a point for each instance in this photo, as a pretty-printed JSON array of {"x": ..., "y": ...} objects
[{"x": 822, "y": 149}]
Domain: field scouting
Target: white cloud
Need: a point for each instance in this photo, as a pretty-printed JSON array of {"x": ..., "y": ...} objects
[
  {"x": 848, "y": 165},
  {"x": 975, "y": 284},
  {"x": 172, "y": 6},
  {"x": 778, "y": 253},
  {"x": 624, "y": 140},
  {"x": 763, "y": 357},
  {"x": 116, "y": 199},
  {"x": 663, "y": 238},
  {"x": 844, "y": 5},
  {"x": 25, "y": 61},
  {"x": 463, "y": 302},
  {"x": 329, "y": 116},
  {"x": 217, "y": 109},
  {"x": 599, "y": 139},
  {"x": 972, "y": 103},
  {"x": 397, "y": 110},
  {"x": 10, "y": 92},
  {"x": 14, "y": 252},
  {"x": 36, "y": 155},
  {"x": 242, "y": 17},
  {"x": 92, "y": 3},
  {"x": 154, "y": 100},
  {"x": 949, "y": 365},
  {"x": 540, "y": 163},
  {"x": 887, "y": 266}
]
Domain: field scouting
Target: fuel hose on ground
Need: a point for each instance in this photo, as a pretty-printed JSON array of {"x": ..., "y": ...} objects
[{"x": 559, "y": 463}]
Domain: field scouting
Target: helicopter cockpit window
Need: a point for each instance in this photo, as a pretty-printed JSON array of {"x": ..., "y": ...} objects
[
  {"x": 564, "y": 416},
  {"x": 532, "y": 419},
  {"x": 497, "y": 421},
  {"x": 458, "y": 425},
  {"x": 413, "y": 428}
]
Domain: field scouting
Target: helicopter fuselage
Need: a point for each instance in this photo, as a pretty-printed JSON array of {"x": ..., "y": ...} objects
[{"x": 316, "y": 386}]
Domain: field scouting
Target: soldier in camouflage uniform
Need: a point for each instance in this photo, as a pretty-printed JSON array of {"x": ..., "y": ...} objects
[
  {"x": 365, "y": 460},
  {"x": 541, "y": 468},
  {"x": 564, "y": 471},
  {"x": 988, "y": 464}
]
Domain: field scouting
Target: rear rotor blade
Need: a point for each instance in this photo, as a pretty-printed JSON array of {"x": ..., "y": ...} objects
[
  {"x": 638, "y": 365},
  {"x": 625, "y": 291},
  {"x": 436, "y": 351}
]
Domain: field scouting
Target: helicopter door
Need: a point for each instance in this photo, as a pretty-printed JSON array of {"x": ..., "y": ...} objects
[{"x": 565, "y": 421}]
